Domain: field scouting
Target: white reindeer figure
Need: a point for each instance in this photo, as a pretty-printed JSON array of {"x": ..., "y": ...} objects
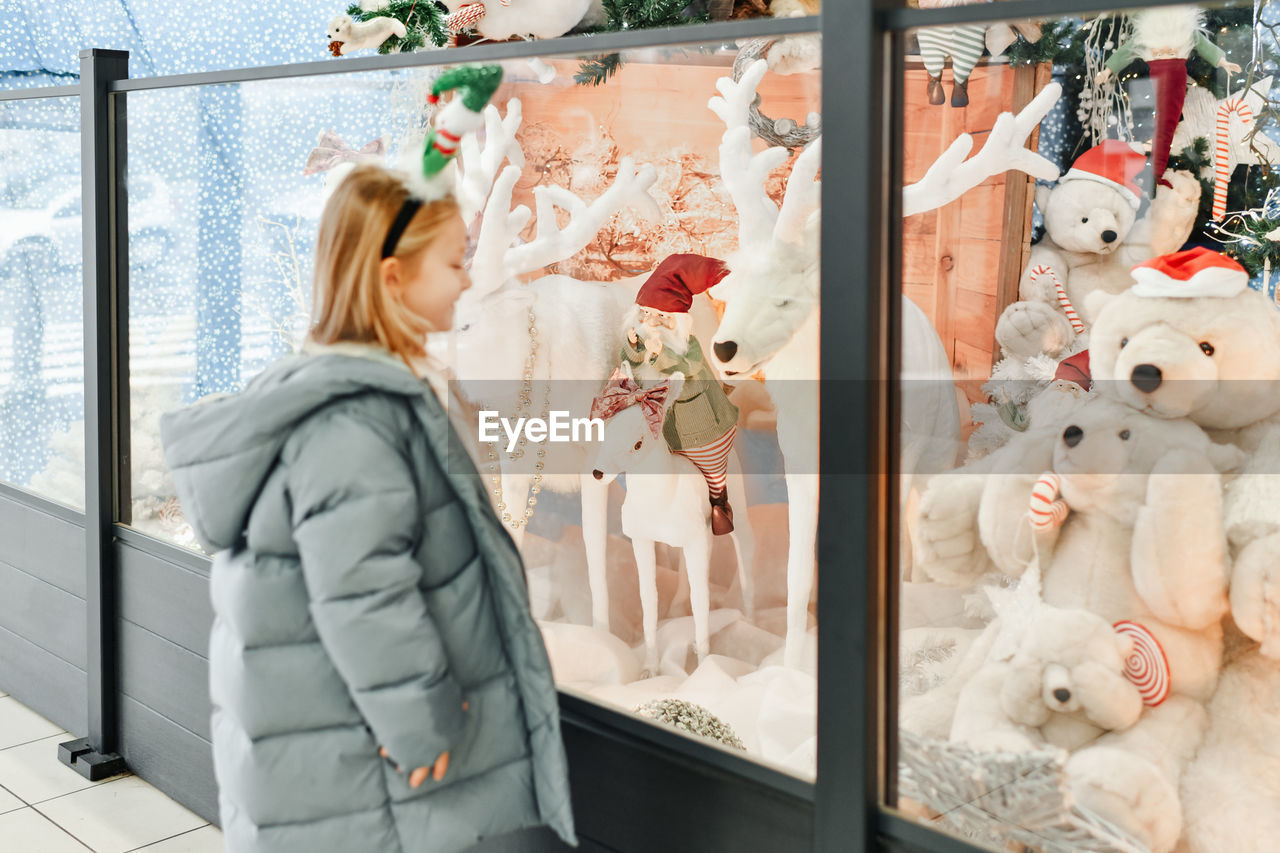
[
  {"x": 554, "y": 339},
  {"x": 667, "y": 502},
  {"x": 771, "y": 317}
]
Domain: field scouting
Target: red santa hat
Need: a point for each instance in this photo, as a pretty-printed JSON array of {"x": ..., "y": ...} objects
[
  {"x": 1189, "y": 274},
  {"x": 672, "y": 286},
  {"x": 1075, "y": 369},
  {"x": 1113, "y": 163}
]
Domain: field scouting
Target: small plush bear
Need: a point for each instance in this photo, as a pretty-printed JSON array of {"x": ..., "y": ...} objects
[{"x": 1051, "y": 676}]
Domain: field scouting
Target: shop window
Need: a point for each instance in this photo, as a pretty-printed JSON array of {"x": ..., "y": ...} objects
[
  {"x": 233, "y": 181},
  {"x": 41, "y": 304},
  {"x": 1076, "y": 541}
]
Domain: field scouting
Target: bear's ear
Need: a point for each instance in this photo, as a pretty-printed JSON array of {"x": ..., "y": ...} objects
[
  {"x": 1096, "y": 301},
  {"x": 1043, "y": 191},
  {"x": 1226, "y": 457}
]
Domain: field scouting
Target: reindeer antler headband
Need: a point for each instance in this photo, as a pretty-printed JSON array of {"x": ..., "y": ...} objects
[{"x": 476, "y": 85}]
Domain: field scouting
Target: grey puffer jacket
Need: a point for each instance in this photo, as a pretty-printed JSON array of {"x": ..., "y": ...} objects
[{"x": 363, "y": 589}]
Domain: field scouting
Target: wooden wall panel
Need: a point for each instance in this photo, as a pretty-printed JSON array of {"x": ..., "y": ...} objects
[
  {"x": 41, "y": 544},
  {"x": 962, "y": 262},
  {"x": 43, "y": 615},
  {"x": 43, "y": 682},
  {"x": 174, "y": 759}
]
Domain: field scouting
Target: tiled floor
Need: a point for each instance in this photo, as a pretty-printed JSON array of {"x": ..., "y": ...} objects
[{"x": 48, "y": 808}]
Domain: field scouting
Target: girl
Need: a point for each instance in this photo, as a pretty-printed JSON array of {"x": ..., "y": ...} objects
[{"x": 377, "y": 679}]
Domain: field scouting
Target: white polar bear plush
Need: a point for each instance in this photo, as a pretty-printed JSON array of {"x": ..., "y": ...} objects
[
  {"x": 1092, "y": 239},
  {"x": 1052, "y": 676},
  {"x": 1191, "y": 340},
  {"x": 358, "y": 35}
]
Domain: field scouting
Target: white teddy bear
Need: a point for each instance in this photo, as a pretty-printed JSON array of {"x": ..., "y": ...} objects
[
  {"x": 1050, "y": 676},
  {"x": 1092, "y": 239},
  {"x": 1192, "y": 340}
]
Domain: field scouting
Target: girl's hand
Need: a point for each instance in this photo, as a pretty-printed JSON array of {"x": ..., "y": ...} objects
[
  {"x": 435, "y": 771},
  {"x": 1103, "y": 76},
  {"x": 1230, "y": 66}
]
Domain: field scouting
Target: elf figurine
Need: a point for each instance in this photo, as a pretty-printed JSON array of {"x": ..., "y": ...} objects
[
  {"x": 701, "y": 424},
  {"x": 962, "y": 42},
  {"x": 1165, "y": 38}
]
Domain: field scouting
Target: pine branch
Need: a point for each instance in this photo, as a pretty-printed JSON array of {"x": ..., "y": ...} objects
[
  {"x": 632, "y": 15},
  {"x": 423, "y": 22},
  {"x": 597, "y": 70}
]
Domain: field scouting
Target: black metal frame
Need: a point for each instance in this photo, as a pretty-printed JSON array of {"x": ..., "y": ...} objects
[{"x": 845, "y": 809}]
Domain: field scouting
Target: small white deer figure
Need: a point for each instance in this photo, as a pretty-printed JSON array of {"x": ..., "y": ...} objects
[{"x": 667, "y": 502}]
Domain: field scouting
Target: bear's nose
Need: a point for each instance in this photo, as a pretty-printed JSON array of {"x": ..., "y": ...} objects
[
  {"x": 1109, "y": 236},
  {"x": 1072, "y": 435},
  {"x": 1146, "y": 378},
  {"x": 598, "y": 474},
  {"x": 725, "y": 350},
  {"x": 1062, "y": 694}
]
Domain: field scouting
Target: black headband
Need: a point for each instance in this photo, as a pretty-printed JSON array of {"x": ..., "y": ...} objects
[{"x": 407, "y": 210}]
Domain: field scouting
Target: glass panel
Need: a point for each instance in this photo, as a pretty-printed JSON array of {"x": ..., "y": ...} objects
[
  {"x": 41, "y": 303},
  {"x": 1076, "y": 540},
  {"x": 634, "y": 163}
]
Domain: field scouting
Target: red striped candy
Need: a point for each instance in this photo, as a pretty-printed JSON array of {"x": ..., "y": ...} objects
[{"x": 1146, "y": 666}]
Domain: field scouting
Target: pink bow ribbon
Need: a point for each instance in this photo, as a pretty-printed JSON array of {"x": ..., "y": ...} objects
[
  {"x": 622, "y": 392},
  {"x": 331, "y": 150}
]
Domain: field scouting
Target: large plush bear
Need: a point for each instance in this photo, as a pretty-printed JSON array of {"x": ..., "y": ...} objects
[
  {"x": 1143, "y": 546},
  {"x": 1192, "y": 340},
  {"x": 1092, "y": 239}
]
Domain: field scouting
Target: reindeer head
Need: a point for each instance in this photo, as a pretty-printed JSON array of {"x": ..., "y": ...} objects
[{"x": 772, "y": 286}]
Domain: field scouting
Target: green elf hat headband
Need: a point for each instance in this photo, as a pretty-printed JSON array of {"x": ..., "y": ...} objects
[{"x": 476, "y": 85}]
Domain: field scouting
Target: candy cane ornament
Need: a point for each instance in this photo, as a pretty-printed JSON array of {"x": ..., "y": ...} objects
[
  {"x": 465, "y": 18},
  {"x": 1146, "y": 666},
  {"x": 1046, "y": 510},
  {"x": 1042, "y": 270},
  {"x": 1222, "y": 153}
]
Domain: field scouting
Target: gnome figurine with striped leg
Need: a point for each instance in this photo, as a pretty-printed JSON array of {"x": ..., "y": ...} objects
[{"x": 702, "y": 423}]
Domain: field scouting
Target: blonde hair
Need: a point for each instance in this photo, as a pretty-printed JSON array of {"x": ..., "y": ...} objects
[{"x": 349, "y": 299}]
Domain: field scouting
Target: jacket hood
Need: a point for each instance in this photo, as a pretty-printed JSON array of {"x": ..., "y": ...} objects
[{"x": 221, "y": 449}]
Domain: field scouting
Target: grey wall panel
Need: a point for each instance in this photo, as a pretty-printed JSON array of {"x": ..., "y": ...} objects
[
  {"x": 165, "y": 677},
  {"x": 42, "y": 545},
  {"x": 43, "y": 682},
  {"x": 175, "y": 760},
  {"x": 165, "y": 598},
  {"x": 42, "y": 614}
]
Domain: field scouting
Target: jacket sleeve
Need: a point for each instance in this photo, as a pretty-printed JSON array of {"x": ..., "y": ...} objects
[{"x": 355, "y": 520}]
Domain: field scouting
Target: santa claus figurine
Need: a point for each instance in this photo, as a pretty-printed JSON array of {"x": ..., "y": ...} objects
[
  {"x": 701, "y": 423},
  {"x": 1165, "y": 38}
]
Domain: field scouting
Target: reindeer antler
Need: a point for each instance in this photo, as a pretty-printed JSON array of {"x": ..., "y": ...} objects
[
  {"x": 803, "y": 196},
  {"x": 480, "y": 164},
  {"x": 951, "y": 175},
  {"x": 744, "y": 172},
  {"x": 553, "y": 243}
]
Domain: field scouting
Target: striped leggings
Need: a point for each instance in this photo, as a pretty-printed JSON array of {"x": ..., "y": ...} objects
[
  {"x": 964, "y": 44},
  {"x": 713, "y": 460}
]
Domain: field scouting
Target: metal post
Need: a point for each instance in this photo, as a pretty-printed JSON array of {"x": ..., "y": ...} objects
[
  {"x": 852, "y": 531},
  {"x": 102, "y": 164}
]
